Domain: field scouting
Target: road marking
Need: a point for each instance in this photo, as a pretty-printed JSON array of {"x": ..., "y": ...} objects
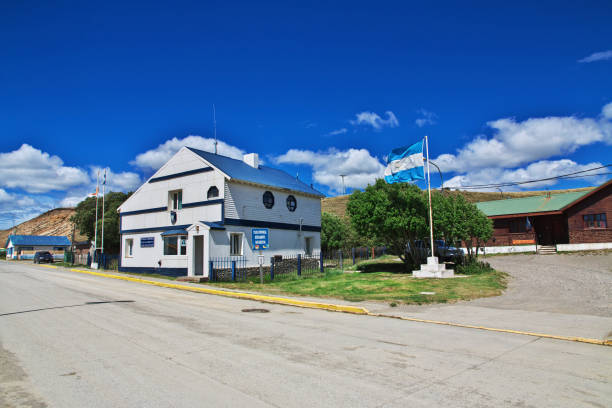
[
  {"x": 49, "y": 266},
  {"x": 335, "y": 308}
]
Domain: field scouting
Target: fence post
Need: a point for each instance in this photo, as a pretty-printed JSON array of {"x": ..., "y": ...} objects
[
  {"x": 340, "y": 258},
  {"x": 321, "y": 260},
  {"x": 353, "y": 253},
  {"x": 211, "y": 271},
  {"x": 299, "y": 260},
  {"x": 234, "y": 271},
  {"x": 271, "y": 268}
]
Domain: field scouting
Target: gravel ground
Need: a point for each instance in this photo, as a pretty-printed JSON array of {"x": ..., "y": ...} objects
[{"x": 578, "y": 283}]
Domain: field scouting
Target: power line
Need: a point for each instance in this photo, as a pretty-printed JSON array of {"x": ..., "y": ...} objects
[{"x": 562, "y": 176}]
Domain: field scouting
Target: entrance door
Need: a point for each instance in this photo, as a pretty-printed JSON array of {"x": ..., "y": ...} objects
[{"x": 198, "y": 255}]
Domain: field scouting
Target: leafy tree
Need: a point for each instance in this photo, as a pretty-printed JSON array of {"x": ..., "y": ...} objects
[
  {"x": 394, "y": 214},
  {"x": 333, "y": 232},
  {"x": 85, "y": 219},
  {"x": 456, "y": 219}
]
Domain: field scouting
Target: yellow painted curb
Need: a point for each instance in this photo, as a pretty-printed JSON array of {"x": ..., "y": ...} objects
[
  {"x": 336, "y": 308},
  {"x": 48, "y": 266},
  {"x": 524, "y": 333},
  {"x": 240, "y": 295}
]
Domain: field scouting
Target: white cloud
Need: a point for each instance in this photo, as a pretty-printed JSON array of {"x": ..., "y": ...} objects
[
  {"x": 427, "y": 118},
  {"x": 17, "y": 208},
  {"x": 597, "y": 56},
  {"x": 35, "y": 171},
  {"x": 337, "y": 132},
  {"x": 534, "y": 171},
  {"x": 124, "y": 181},
  {"x": 153, "y": 159},
  {"x": 517, "y": 143},
  {"x": 358, "y": 165},
  {"x": 374, "y": 120}
]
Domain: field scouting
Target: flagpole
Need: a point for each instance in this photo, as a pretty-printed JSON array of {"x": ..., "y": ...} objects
[
  {"x": 429, "y": 192},
  {"x": 103, "y": 194},
  {"x": 96, "y": 224}
]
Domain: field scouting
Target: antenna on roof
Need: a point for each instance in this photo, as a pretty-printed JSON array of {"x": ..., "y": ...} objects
[{"x": 215, "y": 126}]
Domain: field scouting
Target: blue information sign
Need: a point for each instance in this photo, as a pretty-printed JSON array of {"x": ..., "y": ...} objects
[
  {"x": 260, "y": 238},
  {"x": 147, "y": 242}
]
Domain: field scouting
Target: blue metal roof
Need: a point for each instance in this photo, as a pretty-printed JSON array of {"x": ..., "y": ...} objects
[
  {"x": 268, "y": 176},
  {"x": 36, "y": 240},
  {"x": 174, "y": 232},
  {"x": 214, "y": 225}
]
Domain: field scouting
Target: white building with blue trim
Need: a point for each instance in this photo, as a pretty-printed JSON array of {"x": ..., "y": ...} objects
[
  {"x": 200, "y": 205},
  {"x": 25, "y": 246}
]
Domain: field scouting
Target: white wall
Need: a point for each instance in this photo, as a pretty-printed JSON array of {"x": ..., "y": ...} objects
[
  {"x": 584, "y": 247},
  {"x": 505, "y": 249},
  {"x": 244, "y": 201},
  {"x": 282, "y": 242},
  {"x": 148, "y": 257}
]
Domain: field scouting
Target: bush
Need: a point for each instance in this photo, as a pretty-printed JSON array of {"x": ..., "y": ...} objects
[{"x": 474, "y": 268}]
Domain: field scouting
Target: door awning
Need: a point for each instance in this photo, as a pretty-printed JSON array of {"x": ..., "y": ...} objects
[{"x": 174, "y": 232}]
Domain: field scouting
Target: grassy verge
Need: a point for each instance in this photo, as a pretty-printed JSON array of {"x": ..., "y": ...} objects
[{"x": 383, "y": 286}]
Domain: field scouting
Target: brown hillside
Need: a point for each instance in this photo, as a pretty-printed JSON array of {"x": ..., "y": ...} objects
[
  {"x": 337, "y": 205},
  {"x": 53, "y": 222}
]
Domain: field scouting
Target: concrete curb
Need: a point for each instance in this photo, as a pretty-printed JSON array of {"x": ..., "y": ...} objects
[
  {"x": 240, "y": 295},
  {"x": 333, "y": 307}
]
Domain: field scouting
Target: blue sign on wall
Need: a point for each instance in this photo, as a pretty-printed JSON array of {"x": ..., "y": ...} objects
[
  {"x": 260, "y": 238},
  {"x": 147, "y": 242}
]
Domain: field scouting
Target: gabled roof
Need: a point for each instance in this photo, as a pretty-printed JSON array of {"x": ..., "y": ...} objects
[
  {"x": 268, "y": 176},
  {"x": 528, "y": 205},
  {"x": 35, "y": 240}
]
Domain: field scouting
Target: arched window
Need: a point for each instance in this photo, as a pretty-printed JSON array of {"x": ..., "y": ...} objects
[
  {"x": 212, "y": 192},
  {"x": 268, "y": 199},
  {"x": 291, "y": 203}
]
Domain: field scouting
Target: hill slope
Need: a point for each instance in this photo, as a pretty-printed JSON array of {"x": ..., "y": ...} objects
[
  {"x": 337, "y": 205},
  {"x": 53, "y": 222}
]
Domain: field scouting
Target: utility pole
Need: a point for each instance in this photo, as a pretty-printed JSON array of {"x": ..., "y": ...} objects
[{"x": 215, "y": 126}]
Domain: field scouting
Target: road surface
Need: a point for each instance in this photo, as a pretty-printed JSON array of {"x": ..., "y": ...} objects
[{"x": 73, "y": 340}]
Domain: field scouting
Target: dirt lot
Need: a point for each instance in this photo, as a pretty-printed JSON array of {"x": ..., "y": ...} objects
[{"x": 578, "y": 283}]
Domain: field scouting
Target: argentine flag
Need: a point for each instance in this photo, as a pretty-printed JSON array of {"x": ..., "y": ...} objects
[{"x": 405, "y": 164}]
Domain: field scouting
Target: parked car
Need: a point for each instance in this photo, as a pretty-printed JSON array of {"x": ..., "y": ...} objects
[
  {"x": 43, "y": 256},
  {"x": 447, "y": 252}
]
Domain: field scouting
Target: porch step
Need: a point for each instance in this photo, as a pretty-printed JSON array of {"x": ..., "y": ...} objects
[{"x": 547, "y": 249}]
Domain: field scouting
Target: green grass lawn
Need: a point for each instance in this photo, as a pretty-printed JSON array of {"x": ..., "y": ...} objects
[{"x": 381, "y": 286}]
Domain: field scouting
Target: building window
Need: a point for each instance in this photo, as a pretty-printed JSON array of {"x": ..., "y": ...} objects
[
  {"x": 291, "y": 203},
  {"x": 235, "y": 244},
  {"x": 308, "y": 245},
  {"x": 268, "y": 199},
  {"x": 595, "y": 221},
  {"x": 175, "y": 245},
  {"x": 129, "y": 247},
  {"x": 212, "y": 192},
  {"x": 517, "y": 226},
  {"x": 175, "y": 200}
]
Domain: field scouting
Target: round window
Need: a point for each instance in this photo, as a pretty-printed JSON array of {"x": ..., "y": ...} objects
[
  {"x": 268, "y": 199},
  {"x": 291, "y": 203}
]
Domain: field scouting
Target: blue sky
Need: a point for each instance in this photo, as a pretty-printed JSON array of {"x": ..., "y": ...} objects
[{"x": 506, "y": 92}]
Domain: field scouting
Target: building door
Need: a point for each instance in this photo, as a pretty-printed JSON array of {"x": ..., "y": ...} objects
[{"x": 198, "y": 255}]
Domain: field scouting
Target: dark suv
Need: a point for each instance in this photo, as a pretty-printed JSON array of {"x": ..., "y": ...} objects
[{"x": 43, "y": 256}]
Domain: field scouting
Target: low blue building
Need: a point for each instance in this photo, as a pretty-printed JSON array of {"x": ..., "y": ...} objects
[{"x": 25, "y": 246}]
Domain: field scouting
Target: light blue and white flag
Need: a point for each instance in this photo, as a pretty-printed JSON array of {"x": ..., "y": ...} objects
[{"x": 405, "y": 164}]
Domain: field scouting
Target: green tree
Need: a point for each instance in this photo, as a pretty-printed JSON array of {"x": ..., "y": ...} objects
[
  {"x": 392, "y": 214},
  {"x": 85, "y": 219},
  {"x": 456, "y": 219},
  {"x": 333, "y": 232}
]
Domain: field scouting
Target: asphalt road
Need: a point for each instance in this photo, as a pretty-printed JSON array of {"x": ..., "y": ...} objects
[{"x": 72, "y": 340}]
